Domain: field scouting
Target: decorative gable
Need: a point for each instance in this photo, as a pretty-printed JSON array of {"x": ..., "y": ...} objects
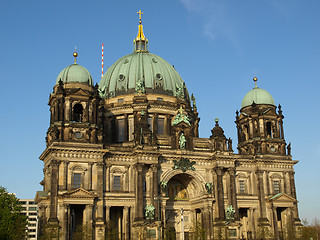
[
  {"x": 282, "y": 198},
  {"x": 79, "y": 193}
]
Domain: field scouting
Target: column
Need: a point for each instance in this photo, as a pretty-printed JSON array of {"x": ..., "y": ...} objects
[
  {"x": 126, "y": 223},
  {"x": 261, "y": 195},
  {"x": 65, "y": 223},
  {"x": 90, "y": 176},
  {"x": 65, "y": 177},
  {"x": 287, "y": 181},
  {"x": 56, "y": 111},
  {"x": 131, "y": 179},
  {"x": 126, "y": 128},
  {"x": 275, "y": 222},
  {"x": 100, "y": 167},
  {"x": 155, "y": 123},
  {"x": 108, "y": 177},
  {"x": 86, "y": 113},
  {"x": 232, "y": 173},
  {"x": 139, "y": 192},
  {"x": 293, "y": 194},
  {"x": 267, "y": 182},
  {"x": 219, "y": 173},
  {"x": 228, "y": 184},
  {"x": 206, "y": 221},
  {"x": 54, "y": 189},
  {"x": 155, "y": 190},
  {"x": 107, "y": 214},
  {"x": 127, "y": 174}
]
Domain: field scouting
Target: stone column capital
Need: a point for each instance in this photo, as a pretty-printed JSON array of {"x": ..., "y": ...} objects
[
  {"x": 218, "y": 170},
  {"x": 232, "y": 171},
  {"x": 100, "y": 165},
  {"x": 138, "y": 167}
]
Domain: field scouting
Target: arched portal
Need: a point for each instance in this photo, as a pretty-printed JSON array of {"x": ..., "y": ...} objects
[{"x": 184, "y": 203}]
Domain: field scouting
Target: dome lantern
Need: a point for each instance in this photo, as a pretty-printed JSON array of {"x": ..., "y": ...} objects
[{"x": 140, "y": 42}]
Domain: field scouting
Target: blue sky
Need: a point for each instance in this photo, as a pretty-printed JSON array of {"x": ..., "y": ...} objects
[{"x": 217, "y": 46}]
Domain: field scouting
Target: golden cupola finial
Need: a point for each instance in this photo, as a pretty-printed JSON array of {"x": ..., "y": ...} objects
[
  {"x": 255, "y": 79},
  {"x": 75, "y": 54},
  {"x": 140, "y": 42}
]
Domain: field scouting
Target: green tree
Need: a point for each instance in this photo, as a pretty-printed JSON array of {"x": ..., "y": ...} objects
[
  {"x": 12, "y": 221},
  {"x": 198, "y": 232}
]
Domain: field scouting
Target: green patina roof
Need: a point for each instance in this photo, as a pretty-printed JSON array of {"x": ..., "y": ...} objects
[
  {"x": 259, "y": 96},
  {"x": 75, "y": 73},
  {"x": 157, "y": 75}
]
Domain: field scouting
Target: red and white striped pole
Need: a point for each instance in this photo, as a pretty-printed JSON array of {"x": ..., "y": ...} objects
[{"x": 102, "y": 62}]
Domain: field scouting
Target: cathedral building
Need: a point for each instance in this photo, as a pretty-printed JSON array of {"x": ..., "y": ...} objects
[{"x": 124, "y": 160}]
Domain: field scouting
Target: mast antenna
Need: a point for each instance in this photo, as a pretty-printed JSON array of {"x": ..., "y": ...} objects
[{"x": 102, "y": 62}]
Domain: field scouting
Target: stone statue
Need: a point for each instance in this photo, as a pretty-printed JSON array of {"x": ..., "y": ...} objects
[
  {"x": 208, "y": 186},
  {"x": 149, "y": 211},
  {"x": 163, "y": 185},
  {"x": 230, "y": 145},
  {"x": 180, "y": 117},
  {"x": 289, "y": 149},
  {"x": 182, "y": 141},
  {"x": 230, "y": 212},
  {"x": 140, "y": 87},
  {"x": 179, "y": 91}
]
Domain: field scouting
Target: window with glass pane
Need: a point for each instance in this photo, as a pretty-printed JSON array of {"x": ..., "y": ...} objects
[
  {"x": 76, "y": 180},
  {"x": 241, "y": 186},
  {"x": 150, "y": 122},
  {"x": 116, "y": 183},
  {"x": 160, "y": 126},
  {"x": 276, "y": 186},
  {"x": 120, "y": 128}
]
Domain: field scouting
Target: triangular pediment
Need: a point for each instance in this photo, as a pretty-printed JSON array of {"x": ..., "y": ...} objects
[
  {"x": 41, "y": 195},
  {"x": 281, "y": 197},
  {"x": 79, "y": 193},
  {"x": 80, "y": 92}
]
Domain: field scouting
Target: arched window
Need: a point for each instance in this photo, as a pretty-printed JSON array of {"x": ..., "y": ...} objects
[
  {"x": 269, "y": 130},
  {"x": 77, "y": 113}
]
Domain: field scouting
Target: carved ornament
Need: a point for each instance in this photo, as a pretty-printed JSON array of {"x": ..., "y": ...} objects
[{"x": 184, "y": 164}]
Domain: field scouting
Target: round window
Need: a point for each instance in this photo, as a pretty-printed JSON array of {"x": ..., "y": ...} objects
[
  {"x": 158, "y": 76},
  {"x": 78, "y": 135},
  {"x": 121, "y": 77}
]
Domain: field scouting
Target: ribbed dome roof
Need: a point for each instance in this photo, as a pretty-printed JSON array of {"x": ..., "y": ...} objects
[
  {"x": 75, "y": 73},
  {"x": 156, "y": 75},
  {"x": 258, "y": 96}
]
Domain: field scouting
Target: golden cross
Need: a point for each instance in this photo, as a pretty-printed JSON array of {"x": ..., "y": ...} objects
[{"x": 140, "y": 13}]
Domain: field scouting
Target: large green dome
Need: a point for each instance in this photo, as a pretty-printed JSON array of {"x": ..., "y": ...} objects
[
  {"x": 75, "y": 73},
  {"x": 142, "y": 67},
  {"x": 258, "y": 96}
]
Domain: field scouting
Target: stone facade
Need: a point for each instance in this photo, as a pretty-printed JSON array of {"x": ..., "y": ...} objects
[{"x": 132, "y": 165}]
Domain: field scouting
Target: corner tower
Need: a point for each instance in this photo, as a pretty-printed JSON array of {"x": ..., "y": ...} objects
[
  {"x": 74, "y": 107},
  {"x": 260, "y": 126}
]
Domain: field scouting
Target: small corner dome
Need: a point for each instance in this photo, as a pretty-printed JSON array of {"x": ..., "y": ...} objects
[
  {"x": 75, "y": 73},
  {"x": 258, "y": 96}
]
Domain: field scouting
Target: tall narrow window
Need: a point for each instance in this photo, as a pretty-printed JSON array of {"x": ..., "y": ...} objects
[
  {"x": 276, "y": 187},
  {"x": 120, "y": 130},
  {"x": 77, "y": 113},
  {"x": 150, "y": 122},
  {"x": 160, "y": 126},
  {"x": 241, "y": 186},
  {"x": 76, "y": 180},
  {"x": 116, "y": 183},
  {"x": 269, "y": 130}
]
